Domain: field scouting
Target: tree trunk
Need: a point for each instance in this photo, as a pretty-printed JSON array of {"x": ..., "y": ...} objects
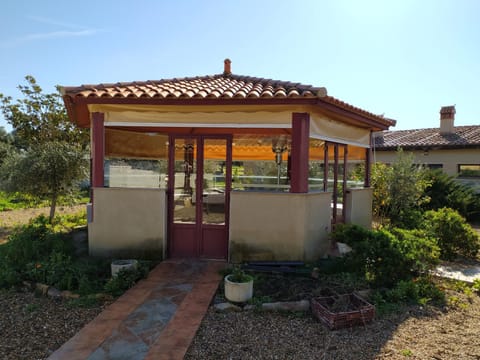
[{"x": 53, "y": 206}]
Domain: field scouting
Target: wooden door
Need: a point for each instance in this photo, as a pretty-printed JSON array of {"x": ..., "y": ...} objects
[{"x": 199, "y": 189}]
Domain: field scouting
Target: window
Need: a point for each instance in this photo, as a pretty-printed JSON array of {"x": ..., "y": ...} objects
[
  {"x": 137, "y": 173},
  {"x": 469, "y": 170},
  {"x": 135, "y": 159},
  {"x": 260, "y": 162},
  {"x": 316, "y": 165}
]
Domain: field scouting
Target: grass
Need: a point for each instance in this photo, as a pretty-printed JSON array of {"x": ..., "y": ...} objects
[{"x": 18, "y": 200}]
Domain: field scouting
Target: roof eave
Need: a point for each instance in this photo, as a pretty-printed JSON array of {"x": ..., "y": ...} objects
[{"x": 425, "y": 147}]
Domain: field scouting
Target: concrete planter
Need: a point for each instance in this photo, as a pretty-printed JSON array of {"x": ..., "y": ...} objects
[
  {"x": 238, "y": 292},
  {"x": 118, "y": 265}
]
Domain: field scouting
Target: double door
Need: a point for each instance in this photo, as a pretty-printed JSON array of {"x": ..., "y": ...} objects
[{"x": 199, "y": 194}]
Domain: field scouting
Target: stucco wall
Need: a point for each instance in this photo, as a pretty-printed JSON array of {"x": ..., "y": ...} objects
[
  {"x": 279, "y": 226},
  {"x": 448, "y": 158},
  {"x": 128, "y": 223},
  {"x": 358, "y": 209}
]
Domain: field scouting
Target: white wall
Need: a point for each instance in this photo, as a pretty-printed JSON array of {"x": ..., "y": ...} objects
[
  {"x": 358, "y": 209},
  {"x": 448, "y": 158},
  {"x": 128, "y": 223},
  {"x": 279, "y": 226}
]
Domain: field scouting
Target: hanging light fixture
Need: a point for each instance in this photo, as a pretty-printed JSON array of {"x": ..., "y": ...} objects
[{"x": 279, "y": 146}]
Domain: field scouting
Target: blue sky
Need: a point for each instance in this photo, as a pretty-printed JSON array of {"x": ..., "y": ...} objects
[{"x": 401, "y": 58}]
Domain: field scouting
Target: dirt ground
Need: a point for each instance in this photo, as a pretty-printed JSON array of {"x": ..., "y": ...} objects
[
  {"x": 8, "y": 219},
  {"x": 33, "y": 327},
  {"x": 412, "y": 332}
]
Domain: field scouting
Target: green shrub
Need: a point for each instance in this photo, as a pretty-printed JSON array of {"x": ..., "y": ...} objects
[
  {"x": 421, "y": 291},
  {"x": 399, "y": 191},
  {"x": 446, "y": 191},
  {"x": 41, "y": 252},
  {"x": 476, "y": 285},
  {"x": 420, "y": 250},
  {"x": 126, "y": 278},
  {"x": 67, "y": 222},
  {"x": 386, "y": 257},
  {"x": 28, "y": 245},
  {"x": 454, "y": 235}
]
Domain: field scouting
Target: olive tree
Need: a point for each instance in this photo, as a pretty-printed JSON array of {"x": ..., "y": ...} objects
[
  {"x": 399, "y": 190},
  {"x": 52, "y": 152}
]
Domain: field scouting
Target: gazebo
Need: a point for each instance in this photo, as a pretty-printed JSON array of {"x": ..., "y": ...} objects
[{"x": 222, "y": 167}]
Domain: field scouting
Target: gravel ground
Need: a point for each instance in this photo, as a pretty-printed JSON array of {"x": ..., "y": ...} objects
[
  {"x": 33, "y": 327},
  {"x": 413, "y": 334}
]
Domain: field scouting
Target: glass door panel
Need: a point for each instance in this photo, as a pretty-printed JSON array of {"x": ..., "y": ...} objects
[
  {"x": 184, "y": 181},
  {"x": 214, "y": 181}
]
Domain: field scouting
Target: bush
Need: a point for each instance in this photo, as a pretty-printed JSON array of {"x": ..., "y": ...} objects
[
  {"x": 454, "y": 235},
  {"x": 420, "y": 250},
  {"x": 29, "y": 244},
  {"x": 446, "y": 191},
  {"x": 126, "y": 278},
  {"x": 386, "y": 257},
  {"x": 41, "y": 252},
  {"x": 419, "y": 291},
  {"x": 399, "y": 191}
]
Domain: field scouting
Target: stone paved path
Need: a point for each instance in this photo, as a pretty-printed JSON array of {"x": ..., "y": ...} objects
[{"x": 156, "y": 319}]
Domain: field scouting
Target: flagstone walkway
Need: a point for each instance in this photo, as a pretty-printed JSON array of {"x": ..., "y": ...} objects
[
  {"x": 458, "y": 271},
  {"x": 156, "y": 319}
]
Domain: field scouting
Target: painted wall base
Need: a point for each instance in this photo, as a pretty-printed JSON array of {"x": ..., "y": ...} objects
[
  {"x": 358, "y": 208},
  {"x": 279, "y": 226},
  {"x": 128, "y": 223}
]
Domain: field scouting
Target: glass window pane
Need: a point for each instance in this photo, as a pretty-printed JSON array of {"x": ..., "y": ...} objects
[
  {"x": 316, "y": 164},
  {"x": 356, "y": 166},
  {"x": 136, "y": 173},
  {"x": 184, "y": 177},
  {"x": 214, "y": 171},
  {"x": 135, "y": 159},
  {"x": 261, "y": 162}
]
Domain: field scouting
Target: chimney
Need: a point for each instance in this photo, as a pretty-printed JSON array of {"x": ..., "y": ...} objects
[
  {"x": 447, "y": 119},
  {"x": 226, "y": 67}
]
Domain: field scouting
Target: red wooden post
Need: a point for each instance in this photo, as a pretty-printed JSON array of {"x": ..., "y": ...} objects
[
  {"x": 368, "y": 163},
  {"x": 300, "y": 146},
  {"x": 98, "y": 149}
]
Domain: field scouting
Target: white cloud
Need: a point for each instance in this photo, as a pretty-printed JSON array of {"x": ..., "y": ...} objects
[
  {"x": 72, "y": 31},
  {"x": 58, "y": 34},
  {"x": 48, "y": 21}
]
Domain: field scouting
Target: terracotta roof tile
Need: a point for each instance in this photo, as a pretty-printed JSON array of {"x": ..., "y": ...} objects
[
  {"x": 216, "y": 86},
  {"x": 462, "y": 136}
]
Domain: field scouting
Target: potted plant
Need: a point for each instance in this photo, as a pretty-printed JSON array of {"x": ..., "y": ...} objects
[{"x": 238, "y": 286}]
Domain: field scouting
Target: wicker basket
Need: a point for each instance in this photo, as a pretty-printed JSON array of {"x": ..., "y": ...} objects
[{"x": 342, "y": 311}]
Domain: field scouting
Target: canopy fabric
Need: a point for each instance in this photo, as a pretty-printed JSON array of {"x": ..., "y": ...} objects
[
  {"x": 321, "y": 127},
  {"x": 130, "y": 144}
]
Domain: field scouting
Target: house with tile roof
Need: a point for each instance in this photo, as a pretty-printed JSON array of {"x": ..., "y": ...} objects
[
  {"x": 222, "y": 166},
  {"x": 454, "y": 149}
]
